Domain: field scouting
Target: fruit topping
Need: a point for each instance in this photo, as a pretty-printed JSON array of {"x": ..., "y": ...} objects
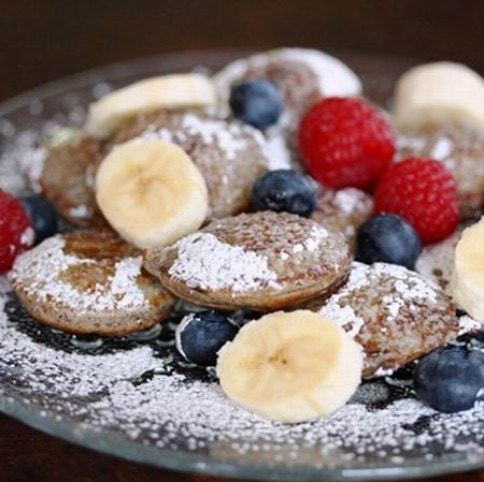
[
  {"x": 346, "y": 142},
  {"x": 424, "y": 193},
  {"x": 151, "y": 192},
  {"x": 257, "y": 103},
  {"x": 43, "y": 216},
  {"x": 148, "y": 95},
  {"x": 290, "y": 367},
  {"x": 16, "y": 232},
  {"x": 200, "y": 336},
  {"x": 449, "y": 379},
  {"x": 467, "y": 281},
  {"x": 440, "y": 92},
  {"x": 284, "y": 190},
  {"x": 388, "y": 238}
]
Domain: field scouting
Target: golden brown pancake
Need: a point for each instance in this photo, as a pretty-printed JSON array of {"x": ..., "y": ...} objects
[
  {"x": 230, "y": 155},
  {"x": 262, "y": 261},
  {"x": 394, "y": 313},
  {"x": 89, "y": 282}
]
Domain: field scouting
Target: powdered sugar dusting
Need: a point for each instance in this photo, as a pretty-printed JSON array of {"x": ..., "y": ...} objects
[
  {"x": 442, "y": 149},
  {"x": 410, "y": 142},
  {"x": 227, "y": 136},
  {"x": 153, "y": 133},
  {"x": 408, "y": 287},
  {"x": 276, "y": 150},
  {"x": 206, "y": 263},
  {"x": 349, "y": 200},
  {"x": 82, "y": 211},
  {"x": 344, "y": 315},
  {"x": 172, "y": 410},
  {"x": 40, "y": 272},
  {"x": 468, "y": 325},
  {"x": 21, "y": 163},
  {"x": 313, "y": 242}
]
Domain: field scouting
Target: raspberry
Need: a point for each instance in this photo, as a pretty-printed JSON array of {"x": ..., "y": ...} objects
[
  {"x": 345, "y": 142},
  {"x": 424, "y": 192},
  {"x": 16, "y": 233}
]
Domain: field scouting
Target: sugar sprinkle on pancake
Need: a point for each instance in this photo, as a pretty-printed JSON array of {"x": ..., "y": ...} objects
[
  {"x": 230, "y": 155},
  {"x": 89, "y": 282},
  {"x": 262, "y": 261},
  {"x": 394, "y": 313},
  {"x": 344, "y": 210}
]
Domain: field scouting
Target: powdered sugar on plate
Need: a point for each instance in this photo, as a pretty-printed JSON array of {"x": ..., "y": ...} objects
[
  {"x": 206, "y": 263},
  {"x": 145, "y": 398},
  {"x": 21, "y": 163},
  {"x": 52, "y": 372}
]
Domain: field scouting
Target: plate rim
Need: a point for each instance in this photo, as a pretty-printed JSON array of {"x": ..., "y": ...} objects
[
  {"x": 196, "y": 464},
  {"x": 162, "y": 457}
]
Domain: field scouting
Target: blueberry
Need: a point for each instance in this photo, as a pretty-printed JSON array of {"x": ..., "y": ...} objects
[
  {"x": 43, "y": 215},
  {"x": 257, "y": 103},
  {"x": 284, "y": 190},
  {"x": 201, "y": 335},
  {"x": 449, "y": 379},
  {"x": 390, "y": 239}
]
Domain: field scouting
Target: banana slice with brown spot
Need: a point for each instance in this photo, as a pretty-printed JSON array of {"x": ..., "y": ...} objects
[
  {"x": 290, "y": 367},
  {"x": 151, "y": 192}
]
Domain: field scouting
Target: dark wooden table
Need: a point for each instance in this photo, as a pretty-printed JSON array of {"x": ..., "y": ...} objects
[{"x": 42, "y": 40}]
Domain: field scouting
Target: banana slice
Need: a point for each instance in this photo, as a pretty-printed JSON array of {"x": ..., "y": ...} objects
[
  {"x": 151, "y": 192},
  {"x": 467, "y": 282},
  {"x": 290, "y": 367},
  {"x": 166, "y": 92},
  {"x": 439, "y": 92}
]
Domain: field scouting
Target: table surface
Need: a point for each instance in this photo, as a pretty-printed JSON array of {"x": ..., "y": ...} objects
[{"x": 47, "y": 39}]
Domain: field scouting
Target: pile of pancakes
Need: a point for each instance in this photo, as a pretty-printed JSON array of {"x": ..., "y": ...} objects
[{"x": 89, "y": 281}]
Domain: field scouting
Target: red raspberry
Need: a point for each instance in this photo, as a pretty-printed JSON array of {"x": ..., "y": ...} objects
[
  {"x": 345, "y": 142},
  {"x": 424, "y": 192},
  {"x": 16, "y": 233}
]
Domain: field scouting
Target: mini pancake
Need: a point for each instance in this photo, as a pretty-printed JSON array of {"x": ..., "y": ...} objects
[
  {"x": 343, "y": 211},
  {"x": 394, "y": 313},
  {"x": 304, "y": 76},
  {"x": 461, "y": 150},
  {"x": 230, "y": 155},
  {"x": 89, "y": 282},
  {"x": 261, "y": 261},
  {"x": 67, "y": 178}
]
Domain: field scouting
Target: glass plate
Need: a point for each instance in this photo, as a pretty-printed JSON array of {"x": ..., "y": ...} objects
[{"x": 53, "y": 381}]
